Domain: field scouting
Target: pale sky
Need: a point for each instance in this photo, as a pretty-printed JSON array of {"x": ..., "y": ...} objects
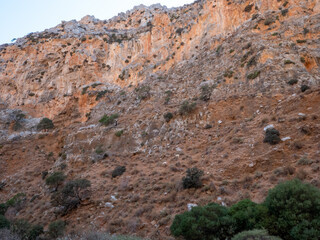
[{"x": 20, "y": 17}]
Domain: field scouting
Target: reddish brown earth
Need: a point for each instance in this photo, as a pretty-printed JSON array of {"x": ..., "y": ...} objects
[{"x": 75, "y": 78}]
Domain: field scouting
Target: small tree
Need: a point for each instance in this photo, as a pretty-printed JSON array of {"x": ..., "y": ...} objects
[
  {"x": 72, "y": 194},
  {"x": 45, "y": 124},
  {"x": 294, "y": 211},
  {"x": 192, "y": 180},
  {"x": 55, "y": 179},
  {"x": 209, "y": 222}
]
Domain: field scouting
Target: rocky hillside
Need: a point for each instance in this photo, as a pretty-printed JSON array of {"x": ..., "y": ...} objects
[{"x": 195, "y": 86}]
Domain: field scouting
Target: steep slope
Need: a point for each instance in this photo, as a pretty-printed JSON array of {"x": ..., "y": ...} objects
[{"x": 241, "y": 62}]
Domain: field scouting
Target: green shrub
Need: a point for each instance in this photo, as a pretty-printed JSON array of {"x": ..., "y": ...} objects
[
  {"x": 293, "y": 81},
  {"x": 209, "y": 222},
  {"x": 304, "y": 88},
  {"x": 254, "y": 235},
  {"x": 56, "y": 229},
  {"x": 118, "y": 171},
  {"x": 253, "y": 75},
  {"x": 107, "y": 120},
  {"x": 119, "y": 133},
  {"x": 45, "y": 124},
  {"x": 288, "y": 62},
  {"x": 206, "y": 90},
  {"x": 193, "y": 178},
  {"x": 101, "y": 94},
  {"x": 248, "y": 8},
  {"x": 55, "y": 179},
  {"x": 168, "y": 116},
  {"x": 187, "y": 107},
  {"x": 272, "y": 136},
  {"x": 248, "y": 215},
  {"x": 294, "y": 211},
  {"x": 4, "y": 223}
]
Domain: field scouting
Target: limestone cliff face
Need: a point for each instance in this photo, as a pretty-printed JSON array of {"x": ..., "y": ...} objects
[
  {"x": 221, "y": 70},
  {"x": 45, "y": 71}
]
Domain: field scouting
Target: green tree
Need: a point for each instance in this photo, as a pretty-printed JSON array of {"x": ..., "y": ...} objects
[
  {"x": 209, "y": 222},
  {"x": 294, "y": 211}
]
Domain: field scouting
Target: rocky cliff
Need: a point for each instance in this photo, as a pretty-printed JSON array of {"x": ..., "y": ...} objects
[{"x": 241, "y": 65}]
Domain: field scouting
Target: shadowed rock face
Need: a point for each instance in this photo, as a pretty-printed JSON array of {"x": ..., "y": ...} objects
[{"x": 239, "y": 64}]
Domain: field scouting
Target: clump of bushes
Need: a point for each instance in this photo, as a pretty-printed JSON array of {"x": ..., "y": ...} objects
[
  {"x": 45, "y": 124},
  {"x": 118, "y": 171},
  {"x": 187, "y": 107},
  {"x": 272, "y": 136},
  {"x": 56, "y": 229},
  {"x": 193, "y": 178},
  {"x": 107, "y": 120},
  {"x": 168, "y": 116},
  {"x": 72, "y": 194},
  {"x": 290, "y": 211}
]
